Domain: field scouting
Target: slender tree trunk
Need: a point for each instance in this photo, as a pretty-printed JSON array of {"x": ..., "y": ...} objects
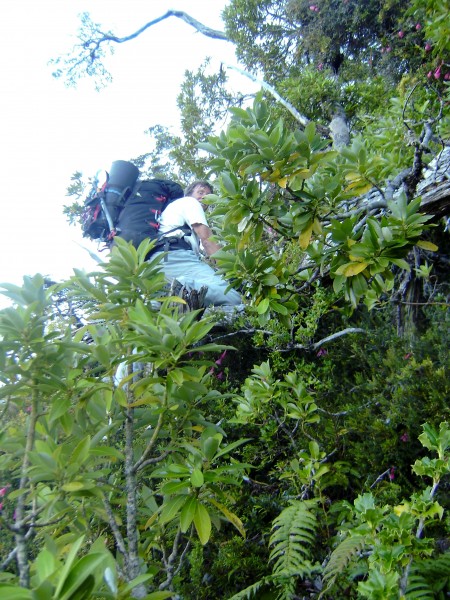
[
  {"x": 133, "y": 568},
  {"x": 20, "y": 529}
]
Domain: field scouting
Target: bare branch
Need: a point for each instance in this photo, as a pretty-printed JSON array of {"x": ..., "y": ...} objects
[
  {"x": 86, "y": 57},
  {"x": 337, "y": 335},
  {"x": 151, "y": 461},
  {"x": 294, "y": 112},
  {"x": 179, "y": 14},
  {"x": 326, "y": 340},
  {"x": 11, "y": 556},
  {"x": 120, "y": 542}
]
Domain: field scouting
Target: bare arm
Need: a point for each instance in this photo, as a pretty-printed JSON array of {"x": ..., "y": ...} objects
[{"x": 204, "y": 234}]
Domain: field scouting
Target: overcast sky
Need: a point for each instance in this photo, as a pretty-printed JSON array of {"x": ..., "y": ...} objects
[{"x": 48, "y": 132}]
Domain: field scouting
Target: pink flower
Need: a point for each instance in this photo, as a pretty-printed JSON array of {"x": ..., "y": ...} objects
[
  {"x": 447, "y": 76},
  {"x": 313, "y": 7},
  {"x": 220, "y": 359},
  {"x": 388, "y": 49},
  {"x": 3, "y": 491},
  {"x": 405, "y": 437},
  {"x": 392, "y": 473},
  {"x": 429, "y": 74},
  {"x": 320, "y": 66},
  {"x": 401, "y": 34},
  {"x": 418, "y": 26},
  {"x": 407, "y": 356},
  {"x": 322, "y": 352},
  {"x": 437, "y": 73},
  {"x": 427, "y": 47},
  {"x": 218, "y": 362}
]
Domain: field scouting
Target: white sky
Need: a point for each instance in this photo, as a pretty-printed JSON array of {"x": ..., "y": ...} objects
[{"x": 47, "y": 131}]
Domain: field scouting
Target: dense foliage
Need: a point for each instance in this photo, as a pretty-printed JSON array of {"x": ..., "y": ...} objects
[{"x": 301, "y": 451}]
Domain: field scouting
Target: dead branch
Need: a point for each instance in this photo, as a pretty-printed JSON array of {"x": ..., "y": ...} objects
[{"x": 179, "y": 14}]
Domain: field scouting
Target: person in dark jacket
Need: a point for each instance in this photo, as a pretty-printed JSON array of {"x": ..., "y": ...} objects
[{"x": 184, "y": 227}]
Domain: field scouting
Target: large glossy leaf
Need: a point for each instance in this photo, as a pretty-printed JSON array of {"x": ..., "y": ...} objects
[{"x": 202, "y": 522}]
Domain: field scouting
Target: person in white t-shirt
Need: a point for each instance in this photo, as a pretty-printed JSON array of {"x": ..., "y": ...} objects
[{"x": 187, "y": 235}]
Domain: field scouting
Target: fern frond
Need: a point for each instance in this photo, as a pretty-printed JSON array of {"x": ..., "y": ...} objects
[
  {"x": 418, "y": 589},
  {"x": 435, "y": 571},
  {"x": 251, "y": 590},
  {"x": 293, "y": 534},
  {"x": 340, "y": 558}
]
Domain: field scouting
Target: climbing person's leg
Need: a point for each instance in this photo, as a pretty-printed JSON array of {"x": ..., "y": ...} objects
[{"x": 187, "y": 268}]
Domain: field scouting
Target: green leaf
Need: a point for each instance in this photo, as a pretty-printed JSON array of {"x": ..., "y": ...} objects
[
  {"x": 188, "y": 513},
  {"x": 171, "y": 508},
  {"x": 263, "y": 306},
  {"x": 427, "y": 245},
  {"x": 228, "y": 184},
  {"x": 172, "y": 487},
  {"x": 81, "y": 452},
  {"x": 279, "y": 308},
  {"x": 76, "y": 486},
  {"x": 231, "y": 517},
  {"x": 400, "y": 262},
  {"x": 45, "y": 564},
  {"x": 231, "y": 447},
  {"x": 59, "y": 408},
  {"x": 140, "y": 579},
  {"x": 197, "y": 478},
  {"x": 68, "y": 563},
  {"x": 120, "y": 397},
  {"x": 211, "y": 445},
  {"x": 202, "y": 522},
  {"x": 10, "y": 592}
]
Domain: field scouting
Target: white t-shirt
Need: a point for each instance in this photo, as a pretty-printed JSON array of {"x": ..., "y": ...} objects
[{"x": 181, "y": 212}]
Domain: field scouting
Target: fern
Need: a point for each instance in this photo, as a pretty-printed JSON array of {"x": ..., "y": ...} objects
[
  {"x": 433, "y": 572},
  {"x": 293, "y": 534},
  {"x": 418, "y": 589},
  {"x": 341, "y": 557},
  {"x": 251, "y": 590}
]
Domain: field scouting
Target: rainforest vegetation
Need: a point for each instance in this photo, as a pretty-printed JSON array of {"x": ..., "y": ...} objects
[{"x": 301, "y": 450}]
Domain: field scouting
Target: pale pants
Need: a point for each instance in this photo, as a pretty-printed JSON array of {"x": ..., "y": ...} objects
[{"x": 188, "y": 268}]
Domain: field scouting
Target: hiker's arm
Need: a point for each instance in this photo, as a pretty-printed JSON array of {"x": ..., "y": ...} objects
[{"x": 204, "y": 233}]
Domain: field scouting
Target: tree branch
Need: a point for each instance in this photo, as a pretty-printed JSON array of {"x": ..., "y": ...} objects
[
  {"x": 179, "y": 14},
  {"x": 325, "y": 340},
  {"x": 294, "y": 112}
]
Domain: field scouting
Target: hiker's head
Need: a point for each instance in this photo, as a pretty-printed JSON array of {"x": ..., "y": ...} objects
[{"x": 198, "y": 189}]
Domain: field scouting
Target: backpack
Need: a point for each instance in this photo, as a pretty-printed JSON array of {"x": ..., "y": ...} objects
[
  {"x": 140, "y": 214},
  {"x": 126, "y": 207}
]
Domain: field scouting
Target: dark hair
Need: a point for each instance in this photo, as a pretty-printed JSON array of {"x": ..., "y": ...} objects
[{"x": 191, "y": 187}]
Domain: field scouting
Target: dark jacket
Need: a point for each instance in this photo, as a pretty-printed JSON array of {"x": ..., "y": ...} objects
[{"x": 137, "y": 217}]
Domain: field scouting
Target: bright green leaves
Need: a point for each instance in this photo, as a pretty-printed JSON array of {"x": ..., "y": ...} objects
[
  {"x": 279, "y": 187},
  {"x": 361, "y": 170},
  {"x": 439, "y": 442},
  {"x": 192, "y": 489},
  {"x": 202, "y": 522},
  {"x": 363, "y": 267},
  {"x": 262, "y": 395},
  {"x": 117, "y": 400},
  {"x": 394, "y": 534},
  {"x": 190, "y": 511}
]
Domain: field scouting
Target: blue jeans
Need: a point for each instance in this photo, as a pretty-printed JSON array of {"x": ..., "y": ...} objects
[{"x": 188, "y": 268}]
